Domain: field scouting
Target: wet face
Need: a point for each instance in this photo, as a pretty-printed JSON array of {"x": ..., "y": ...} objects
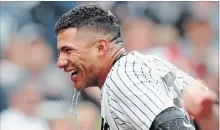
[{"x": 78, "y": 57}]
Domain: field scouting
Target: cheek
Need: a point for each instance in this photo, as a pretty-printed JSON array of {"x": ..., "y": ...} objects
[
  {"x": 74, "y": 58},
  {"x": 89, "y": 57},
  {"x": 92, "y": 63}
]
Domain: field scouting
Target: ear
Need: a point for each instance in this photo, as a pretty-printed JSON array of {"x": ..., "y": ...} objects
[{"x": 102, "y": 47}]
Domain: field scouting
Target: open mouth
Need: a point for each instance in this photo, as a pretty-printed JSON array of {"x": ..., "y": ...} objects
[{"x": 73, "y": 74}]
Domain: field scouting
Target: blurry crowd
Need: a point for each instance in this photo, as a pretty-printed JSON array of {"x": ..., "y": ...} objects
[{"x": 36, "y": 95}]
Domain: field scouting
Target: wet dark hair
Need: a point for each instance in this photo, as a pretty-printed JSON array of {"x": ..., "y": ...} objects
[{"x": 91, "y": 17}]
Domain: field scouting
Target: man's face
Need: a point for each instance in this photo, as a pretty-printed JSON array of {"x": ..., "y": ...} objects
[{"x": 77, "y": 57}]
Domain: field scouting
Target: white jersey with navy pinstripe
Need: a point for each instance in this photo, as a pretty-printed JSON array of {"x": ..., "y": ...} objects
[{"x": 136, "y": 91}]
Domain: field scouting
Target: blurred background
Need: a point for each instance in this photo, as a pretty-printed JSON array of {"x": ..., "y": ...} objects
[{"x": 36, "y": 95}]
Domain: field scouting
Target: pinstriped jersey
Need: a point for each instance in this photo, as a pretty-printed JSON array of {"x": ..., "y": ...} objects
[{"x": 137, "y": 89}]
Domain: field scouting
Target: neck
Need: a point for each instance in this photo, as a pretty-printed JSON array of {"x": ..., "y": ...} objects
[{"x": 113, "y": 54}]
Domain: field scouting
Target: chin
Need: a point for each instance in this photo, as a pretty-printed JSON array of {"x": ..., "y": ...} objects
[{"x": 79, "y": 86}]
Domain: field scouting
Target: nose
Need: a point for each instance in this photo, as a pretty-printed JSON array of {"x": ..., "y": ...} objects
[{"x": 61, "y": 63}]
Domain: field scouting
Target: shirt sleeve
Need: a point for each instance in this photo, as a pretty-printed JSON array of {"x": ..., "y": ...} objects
[
  {"x": 181, "y": 78},
  {"x": 138, "y": 92}
]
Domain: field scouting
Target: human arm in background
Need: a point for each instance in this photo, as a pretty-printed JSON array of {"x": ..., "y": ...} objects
[{"x": 200, "y": 103}]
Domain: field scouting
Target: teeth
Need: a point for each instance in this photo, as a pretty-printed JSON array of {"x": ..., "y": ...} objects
[
  {"x": 70, "y": 72},
  {"x": 74, "y": 72}
]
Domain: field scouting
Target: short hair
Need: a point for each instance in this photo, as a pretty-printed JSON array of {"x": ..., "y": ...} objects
[{"x": 92, "y": 17}]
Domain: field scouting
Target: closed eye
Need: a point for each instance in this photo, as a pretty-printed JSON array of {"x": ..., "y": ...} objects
[{"x": 66, "y": 49}]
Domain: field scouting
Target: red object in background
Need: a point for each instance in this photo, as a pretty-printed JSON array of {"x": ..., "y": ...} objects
[
  {"x": 173, "y": 53},
  {"x": 200, "y": 69},
  {"x": 175, "y": 56}
]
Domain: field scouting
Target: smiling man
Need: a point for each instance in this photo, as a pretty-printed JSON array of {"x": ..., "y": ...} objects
[{"x": 138, "y": 92}]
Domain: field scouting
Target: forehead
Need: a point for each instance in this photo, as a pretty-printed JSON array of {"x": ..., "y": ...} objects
[{"x": 66, "y": 38}]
